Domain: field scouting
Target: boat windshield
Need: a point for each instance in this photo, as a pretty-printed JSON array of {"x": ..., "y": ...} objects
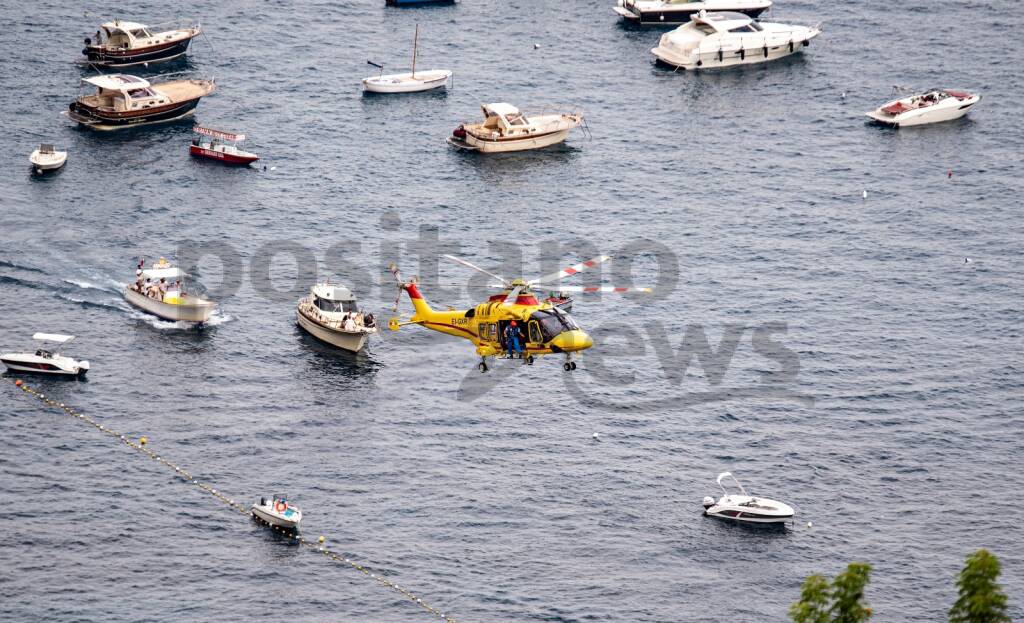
[
  {"x": 335, "y": 306},
  {"x": 517, "y": 118},
  {"x": 751, "y": 27}
]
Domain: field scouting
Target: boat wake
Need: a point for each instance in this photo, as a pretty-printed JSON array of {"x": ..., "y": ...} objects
[{"x": 215, "y": 320}]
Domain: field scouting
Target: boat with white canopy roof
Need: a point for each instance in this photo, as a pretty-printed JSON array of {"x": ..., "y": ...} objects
[
  {"x": 161, "y": 291},
  {"x": 122, "y": 44},
  {"x": 45, "y": 361},
  {"x": 331, "y": 314},
  {"x": 122, "y": 101},
  {"x": 220, "y": 146},
  {"x": 506, "y": 128}
]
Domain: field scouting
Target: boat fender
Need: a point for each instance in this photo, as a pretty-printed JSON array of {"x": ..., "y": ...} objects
[
  {"x": 743, "y": 54},
  {"x": 790, "y": 46},
  {"x": 700, "y": 63},
  {"x": 807, "y": 42},
  {"x": 280, "y": 506},
  {"x": 766, "y": 51},
  {"x": 721, "y": 55}
]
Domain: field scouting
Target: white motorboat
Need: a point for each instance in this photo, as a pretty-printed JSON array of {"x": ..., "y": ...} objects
[
  {"x": 47, "y": 158},
  {"x": 667, "y": 12},
  {"x": 131, "y": 43},
  {"x": 934, "y": 106},
  {"x": 161, "y": 291},
  {"x": 44, "y": 361},
  {"x": 505, "y": 128},
  {"x": 277, "y": 512},
  {"x": 408, "y": 82},
  {"x": 745, "y": 508},
  {"x": 330, "y": 314},
  {"x": 712, "y": 40}
]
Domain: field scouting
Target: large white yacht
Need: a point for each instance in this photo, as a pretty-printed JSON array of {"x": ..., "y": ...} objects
[
  {"x": 668, "y": 12},
  {"x": 713, "y": 40}
]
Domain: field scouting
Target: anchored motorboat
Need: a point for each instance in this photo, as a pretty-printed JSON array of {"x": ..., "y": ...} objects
[
  {"x": 277, "y": 511},
  {"x": 505, "y": 128},
  {"x": 123, "y": 44},
  {"x": 712, "y": 40},
  {"x": 122, "y": 101},
  {"x": 47, "y": 158},
  {"x": 161, "y": 291},
  {"x": 220, "y": 146},
  {"x": 330, "y": 314},
  {"x": 933, "y": 106},
  {"x": 409, "y": 82},
  {"x": 45, "y": 361},
  {"x": 666, "y": 12},
  {"x": 745, "y": 508}
]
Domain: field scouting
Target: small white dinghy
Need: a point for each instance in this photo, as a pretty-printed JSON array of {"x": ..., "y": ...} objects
[
  {"x": 44, "y": 361},
  {"x": 277, "y": 512},
  {"x": 407, "y": 83},
  {"x": 47, "y": 158},
  {"x": 745, "y": 508}
]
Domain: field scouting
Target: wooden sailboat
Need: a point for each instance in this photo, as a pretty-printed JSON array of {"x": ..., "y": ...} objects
[{"x": 408, "y": 82}]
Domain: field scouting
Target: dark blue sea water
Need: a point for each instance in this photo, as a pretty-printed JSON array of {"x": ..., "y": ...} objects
[{"x": 890, "y": 415}]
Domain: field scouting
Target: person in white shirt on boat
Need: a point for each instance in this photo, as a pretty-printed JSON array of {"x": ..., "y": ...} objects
[{"x": 349, "y": 324}]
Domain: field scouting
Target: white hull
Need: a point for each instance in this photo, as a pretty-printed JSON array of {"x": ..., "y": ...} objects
[
  {"x": 48, "y": 162},
  {"x": 274, "y": 519},
  {"x": 710, "y": 60},
  {"x": 747, "y": 519},
  {"x": 936, "y": 113},
  {"x": 406, "y": 83},
  {"x": 519, "y": 144},
  {"x": 36, "y": 365},
  {"x": 345, "y": 340},
  {"x": 187, "y": 312}
]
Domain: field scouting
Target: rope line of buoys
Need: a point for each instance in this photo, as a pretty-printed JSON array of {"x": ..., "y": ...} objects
[{"x": 141, "y": 446}]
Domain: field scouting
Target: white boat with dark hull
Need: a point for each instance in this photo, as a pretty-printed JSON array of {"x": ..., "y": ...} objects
[
  {"x": 46, "y": 158},
  {"x": 123, "y": 101},
  {"x": 44, "y": 361},
  {"x": 934, "y": 106},
  {"x": 669, "y": 12},
  {"x": 745, "y": 508},
  {"x": 505, "y": 128},
  {"x": 124, "y": 44},
  {"x": 330, "y": 314},
  {"x": 161, "y": 291},
  {"x": 714, "y": 40},
  {"x": 277, "y": 512},
  {"x": 408, "y": 82}
]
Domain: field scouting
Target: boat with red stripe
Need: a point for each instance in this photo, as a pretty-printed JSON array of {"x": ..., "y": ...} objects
[{"x": 220, "y": 146}]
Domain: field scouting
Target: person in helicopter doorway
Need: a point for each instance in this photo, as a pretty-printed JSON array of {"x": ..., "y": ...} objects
[{"x": 513, "y": 340}]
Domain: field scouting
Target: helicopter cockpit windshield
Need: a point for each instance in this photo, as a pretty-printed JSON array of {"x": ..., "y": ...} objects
[{"x": 553, "y": 322}]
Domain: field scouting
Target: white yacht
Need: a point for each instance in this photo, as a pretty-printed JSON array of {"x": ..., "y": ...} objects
[
  {"x": 933, "y": 106},
  {"x": 277, "y": 511},
  {"x": 161, "y": 290},
  {"x": 712, "y": 40},
  {"x": 44, "y": 361},
  {"x": 745, "y": 508},
  {"x": 668, "y": 12},
  {"x": 331, "y": 314},
  {"x": 506, "y": 128}
]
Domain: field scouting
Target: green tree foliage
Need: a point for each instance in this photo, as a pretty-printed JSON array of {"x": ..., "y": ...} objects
[
  {"x": 981, "y": 599},
  {"x": 848, "y": 594},
  {"x": 815, "y": 599}
]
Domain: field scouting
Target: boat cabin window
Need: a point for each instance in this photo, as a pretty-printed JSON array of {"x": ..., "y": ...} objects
[
  {"x": 137, "y": 93},
  {"x": 517, "y": 118},
  {"x": 705, "y": 29},
  {"x": 335, "y": 306},
  {"x": 139, "y": 33},
  {"x": 751, "y": 27}
]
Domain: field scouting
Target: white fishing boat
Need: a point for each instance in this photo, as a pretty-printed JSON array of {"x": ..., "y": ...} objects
[
  {"x": 715, "y": 40},
  {"x": 745, "y": 508},
  {"x": 161, "y": 291},
  {"x": 124, "y": 44},
  {"x": 47, "y": 158},
  {"x": 934, "y": 106},
  {"x": 45, "y": 361},
  {"x": 331, "y": 314},
  {"x": 505, "y": 128},
  {"x": 277, "y": 512},
  {"x": 669, "y": 12},
  {"x": 411, "y": 82}
]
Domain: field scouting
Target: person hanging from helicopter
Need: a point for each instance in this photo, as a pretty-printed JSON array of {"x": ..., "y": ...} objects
[{"x": 513, "y": 340}]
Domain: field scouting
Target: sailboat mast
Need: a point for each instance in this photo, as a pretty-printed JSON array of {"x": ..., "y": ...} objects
[{"x": 415, "y": 43}]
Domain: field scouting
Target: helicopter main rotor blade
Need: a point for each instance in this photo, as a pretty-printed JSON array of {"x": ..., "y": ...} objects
[
  {"x": 569, "y": 272},
  {"x": 504, "y": 281},
  {"x": 513, "y": 294},
  {"x": 602, "y": 289}
]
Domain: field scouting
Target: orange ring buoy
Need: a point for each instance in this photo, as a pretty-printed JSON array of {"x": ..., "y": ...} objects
[{"x": 280, "y": 506}]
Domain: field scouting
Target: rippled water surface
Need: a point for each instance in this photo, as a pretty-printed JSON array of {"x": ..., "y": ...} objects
[{"x": 899, "y": 438}]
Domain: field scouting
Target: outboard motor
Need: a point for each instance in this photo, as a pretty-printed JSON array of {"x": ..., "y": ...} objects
[
  {"x": 708, "y": 502},
  {"x": 460, "y": 132}
]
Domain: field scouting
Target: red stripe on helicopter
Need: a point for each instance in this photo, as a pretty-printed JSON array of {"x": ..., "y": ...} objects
[{"x": 414, "y": 292}]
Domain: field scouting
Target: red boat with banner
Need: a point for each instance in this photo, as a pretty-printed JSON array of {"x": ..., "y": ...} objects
[{"x": 222, "y": 146}]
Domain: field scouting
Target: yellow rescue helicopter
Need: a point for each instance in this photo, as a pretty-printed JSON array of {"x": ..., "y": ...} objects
[{"x": 514, "y": 321}]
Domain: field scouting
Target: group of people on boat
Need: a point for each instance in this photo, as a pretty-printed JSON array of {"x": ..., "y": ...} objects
[
  {"x": 156, "y": 290},
  {"x": 354, "y": 321}
]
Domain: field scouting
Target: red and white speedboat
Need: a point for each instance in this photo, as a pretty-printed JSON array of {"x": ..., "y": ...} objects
[{"x": 222, "y": 146}]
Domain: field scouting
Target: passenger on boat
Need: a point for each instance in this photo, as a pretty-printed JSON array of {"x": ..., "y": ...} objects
[
  {"x": 348, "y": 324},
  {"x": 369, "y": 321}
]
